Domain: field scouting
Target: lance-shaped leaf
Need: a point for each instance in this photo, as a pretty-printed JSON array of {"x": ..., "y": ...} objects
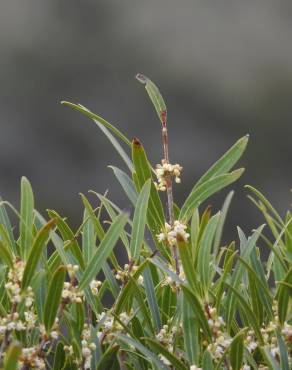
[
  {"x": 69, "y": 237},
  {"x": 155, "y": 96},
  {"x": 26, "y": 217},
  {"x": 205, "y": 190},
  {"x": 5, "y": 254},
  {"x": 160, "y": 349},
  {"x": 191, "y": 332},
  {"x": 88, "y": 237},
  {"x": 207, "y": 362},
  {"x": 155, "y": 214},
  {"x": 252, "y": 320},
  {"x": 139, "y": 220},
  {"x": 149, "y": 355},
  {"x": 12, "y": 356},
  {"x": 237, "y": 349},
  {"x": 187, "y": 263},
  {"x": 198, "y": 310},
  {"x": 6, "y": 224},
  {"x": 151, "y": 298},
  {"x": 126, "y": 183},
  {"x": 53, "y": 298},
  {"x": 36, "y": 252},
  {"x": 60, "y": 357},
  {"x": 226, "y": 162},
  {"x": 284, "y": 295},
  {"x": 95, "y": 117},
  {"x": 205, "y": 271},
  {"x": 104, "y": 250}
]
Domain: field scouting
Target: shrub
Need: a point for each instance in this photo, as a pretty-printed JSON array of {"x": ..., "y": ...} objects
[{"x": 183, "y": 300}]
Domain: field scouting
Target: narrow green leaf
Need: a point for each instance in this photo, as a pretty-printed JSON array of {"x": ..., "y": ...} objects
[
  {"x": 149, "y": 355},
  {"x": 96, "y": 223},
  {"x": 223, "y": 213},
  {"x": 284, "y": 295},
  {"x": 88, "y": 237},
  {"x": 126, "y": 183},
  {"x": 53, "y": 298},
  {"x": 59, "y": 357},
  {"x": 155, "y": 96},
  {"x": 204, "y": 255},
  {"x": 39, "y": 287},
  {"x": 284, "y": 361},
  {"x": 5, "y": 254},
  {"x": 138, "y": 296},
  {"x": 190, "y": 332},
  {"x": 205, "y": 190},
  {"x": 186, "y": 259},
  {"x": 155, "y": 214},
  {"x": 270, "y": 360},
  {"x": 197, "y": 308},
  {"x": 266, "y": 203},
  {"x": 109, "y": 359},
  {"x": 238, "y": 273},
  {"x": 104, "y": 250},
  {"x": 102, "y": 121},
  {"x": 160, "y": 349},
  {"x": 151, "y": 298},
  {"x": 128, "y": 290},
  {"x": 226, "y": 162},
  {"x": 237, "y": 349},
  {"x": 36, "y": 252},
  {"x": 6, "y": 224},
  {"x": 11, "y": 358},
  {"x": 207, "y": 362},
  {"x": 139, "y": 220},
  {"x": 26, "y": 220},
  {"x": 69, "y": 237},
  {"x": 252, "y": 320}
]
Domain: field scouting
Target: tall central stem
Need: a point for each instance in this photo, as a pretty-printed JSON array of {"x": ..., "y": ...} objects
[{"x": 169, "y": 186}]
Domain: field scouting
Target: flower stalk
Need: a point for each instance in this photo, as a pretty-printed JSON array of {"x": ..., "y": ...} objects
[{"x": 168, "y": 184}]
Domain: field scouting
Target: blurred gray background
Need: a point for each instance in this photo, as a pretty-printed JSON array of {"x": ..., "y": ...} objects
[{"x": 224, "y": 68}]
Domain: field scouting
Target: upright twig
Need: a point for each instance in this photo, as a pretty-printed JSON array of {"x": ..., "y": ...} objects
[{"x": 169, "y": 183}]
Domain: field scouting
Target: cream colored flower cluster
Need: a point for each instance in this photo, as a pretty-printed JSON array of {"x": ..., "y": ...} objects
[
  {"x": 12, "y": 321},
  {"x": 123, "y": 275},
  {"x": 13, "y": 285},
  {"x": 166, "y": 338},
  {"x": 87, "y": 346},
  {"x": 71, "y": 293},
  {"x": 109, "y": 326},
  {"x": 30, "y": 357},
  {"x": 221, "y": 340},
  {"x": 94, "y": 286},
  {"x": 72, "y": 269},
  {"x": 169, "y": 234},
  {"x": 165, "y": 172}
]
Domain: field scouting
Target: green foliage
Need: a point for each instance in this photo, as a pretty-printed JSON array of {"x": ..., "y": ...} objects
[{"x": 184, "y": 300}]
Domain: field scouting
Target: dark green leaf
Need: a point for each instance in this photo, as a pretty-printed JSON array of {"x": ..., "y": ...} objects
[
  {"x": 35, "y": 253},
  {"x": 53, "y": 298},
  {"x": 205, "y": 190}
]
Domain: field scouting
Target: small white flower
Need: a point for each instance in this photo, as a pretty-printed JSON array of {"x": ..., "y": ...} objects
[
  {"x": 54, "y": 334},
  {"x": 170, "y": 234},
  {"x": 94, "y": 286},
  {"x": 165, "y": 172}
]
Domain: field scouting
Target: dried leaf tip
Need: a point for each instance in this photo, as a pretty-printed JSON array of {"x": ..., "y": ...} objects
[
  {"x": 163, "y": 117},
  {"x": 136, "y": 142},
  {"x": 141, "y": 78}
]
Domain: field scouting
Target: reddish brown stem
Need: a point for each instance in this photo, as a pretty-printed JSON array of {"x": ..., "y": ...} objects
[{"x": 169, "y": 185}]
